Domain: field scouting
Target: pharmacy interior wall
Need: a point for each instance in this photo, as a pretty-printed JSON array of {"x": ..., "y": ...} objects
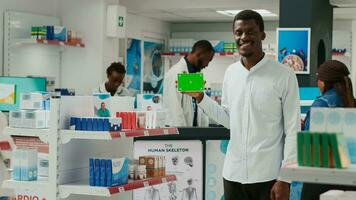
[{"x": 48, "y": 7}]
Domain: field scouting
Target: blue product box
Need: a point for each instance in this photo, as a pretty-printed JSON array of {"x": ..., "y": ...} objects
[
  {"x": 90, "y": 124},
  {"x": 95, "y": 124},
  {"x": 120, "y": 171},
  {"x": 84, "y": 124},
  {"x": 78, "y": 124},
  {"x": 100, "y": 124},
  {"x": 106, "y": 125},
  {"x": 60, "y": 33},
  {"x": 108, "y": 173},
  {"x": 91, "y": 172},
  {"x": 72, "y": 123},
  {"x": 103, "y": 173},
  {"x": 218, "y": 45},
  {"x": 97, "y": 172}
]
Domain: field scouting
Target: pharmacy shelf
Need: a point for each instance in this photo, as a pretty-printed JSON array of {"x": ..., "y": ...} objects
[
  {"x": 82, "y": 188},
  {"x": 25, "y": 185},
  {"x": 47, "y": 42},
  {"x": 167, "y": 54},
  {"x": 40, "y": 133},
  {"x": 173, "y": 54},
  {"x": 67, "y": 135},
  {"x": 320, "y": 175}
]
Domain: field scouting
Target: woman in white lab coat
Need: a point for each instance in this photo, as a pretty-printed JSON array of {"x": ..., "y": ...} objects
[{"x": 182, "y": 110}]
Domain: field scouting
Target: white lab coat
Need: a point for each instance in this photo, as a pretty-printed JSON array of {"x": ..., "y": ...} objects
[{"x": 179, "y": 106}]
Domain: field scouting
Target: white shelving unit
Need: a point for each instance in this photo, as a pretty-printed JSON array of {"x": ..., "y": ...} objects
[
  {"x": 69, "y": 152},
  {"x": 320, "y": 175},
  {"x": 82, "y": 188}
]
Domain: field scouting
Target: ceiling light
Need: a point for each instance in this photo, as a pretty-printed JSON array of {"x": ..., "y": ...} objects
[{"x": 262, "y": 12}]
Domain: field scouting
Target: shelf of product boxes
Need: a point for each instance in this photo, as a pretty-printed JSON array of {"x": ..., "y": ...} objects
[
  {"x": 67, "y": 135},
  {"x": 82, "y": 188},
  {"x": 49, "y": 42},
  {"x": 320, "y": 175},
  {"x": 40, "y": 133},
  {"x": 186, "y": 53},
  {"x": 25, "y": 185}
]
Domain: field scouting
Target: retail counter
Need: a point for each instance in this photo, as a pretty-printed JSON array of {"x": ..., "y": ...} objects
[{"x": 195, "y": 156}]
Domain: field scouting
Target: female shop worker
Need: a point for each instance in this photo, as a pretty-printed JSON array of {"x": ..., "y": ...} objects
[
  {"x": 115, "y": 74},
  {"x": 336, "y": 89}
]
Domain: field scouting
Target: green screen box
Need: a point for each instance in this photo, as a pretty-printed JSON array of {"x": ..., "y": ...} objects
[{"x": 192, "y": 82}]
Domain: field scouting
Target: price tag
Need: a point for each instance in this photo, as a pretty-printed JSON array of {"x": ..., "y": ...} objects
[
  {"x": 121, "y": 189},
  {"x": 145, "y": 184},
  {"x": 45, "y": 41},
  {"x": 164, "y": 180},
  {"x": 146, "y": 133},
  {"x": 122, "y": 134},
  {"x": 165, "y": 132}
]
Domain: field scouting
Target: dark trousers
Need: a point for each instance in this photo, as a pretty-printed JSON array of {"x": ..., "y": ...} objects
[
  {"x": 312, "y": 191},
  {"x": 255, "y": 191}
]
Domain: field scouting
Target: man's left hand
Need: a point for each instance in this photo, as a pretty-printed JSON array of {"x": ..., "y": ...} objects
[{"x": 280, "y": 191}]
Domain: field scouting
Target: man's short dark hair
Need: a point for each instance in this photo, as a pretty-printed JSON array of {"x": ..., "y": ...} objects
[
  {"x": 203, "y": 45},
  {"x": 250, "y": 14},
  {"x": 116, "y": 67}
]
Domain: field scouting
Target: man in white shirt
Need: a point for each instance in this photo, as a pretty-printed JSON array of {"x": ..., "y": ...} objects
[
  {"x": 115, "y": 74},
  {"x": 260, "y": 106},
  {"x": 182, "y": 110}
]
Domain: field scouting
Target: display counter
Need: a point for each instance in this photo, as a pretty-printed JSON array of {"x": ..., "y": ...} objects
[{"x": 196, "y": 156}]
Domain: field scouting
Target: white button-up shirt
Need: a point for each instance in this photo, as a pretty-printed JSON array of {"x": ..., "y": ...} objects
[{"x": 261, "y": 108}]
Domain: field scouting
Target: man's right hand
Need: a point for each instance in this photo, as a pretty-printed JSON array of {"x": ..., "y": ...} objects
[{"x": 197, "y": 95}]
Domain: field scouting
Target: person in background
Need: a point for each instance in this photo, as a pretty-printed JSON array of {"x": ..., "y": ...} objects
[
  {"x": 260, "y": 105},
  {"x": 182, "y": 109},
  {"x": 114, "y": 85},
  {"x": 336, "y": 89}
]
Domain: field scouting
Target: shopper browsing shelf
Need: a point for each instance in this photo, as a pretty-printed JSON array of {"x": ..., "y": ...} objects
[
  {"x": 182, "y": 109},
  {"x": 114, "y": 85},
  {"x": 260, "y": 106},
  {"x": 336, "y": 89}
]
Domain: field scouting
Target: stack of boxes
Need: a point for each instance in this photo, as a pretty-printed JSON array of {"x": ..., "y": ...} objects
[
  {"x": 33, "y": 113},
  {"x": 155, "y": 165},
  {"x": 59, "y": 33},
  {"x": 326, "y": 150},
  {"x": 123, "y": 121},
  {"x": 24, "y": 165},
  {"x": 332, "y": 137},
  {"x": 95, "y": 124},
  {"x": 107, "y": 172}
]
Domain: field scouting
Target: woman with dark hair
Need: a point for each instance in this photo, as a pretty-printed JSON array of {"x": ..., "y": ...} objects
[{"x": 336, "y": 89}]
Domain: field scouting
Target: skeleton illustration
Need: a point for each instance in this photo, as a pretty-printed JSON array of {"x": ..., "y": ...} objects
[{"x": 189, "y": 193}]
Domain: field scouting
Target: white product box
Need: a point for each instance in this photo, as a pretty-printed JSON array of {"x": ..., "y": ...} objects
[
  {"x": 16, "y": 165},
  {"x": 120, "y": 171},
  {"x": 34, "y": 101},
  {"x": 28, "y": 165},
  {"x": 35, "y": 119},
  {"x": 318, "y": 119},
  {"x": 349, "y": 127},
  {"x": 43, "y": 165},
  {"x": 334, "y": 120},
  {"x": 160, "y": 119},
  {"x": 148, "y": 102},
  {"x": 16, "y": 118}
]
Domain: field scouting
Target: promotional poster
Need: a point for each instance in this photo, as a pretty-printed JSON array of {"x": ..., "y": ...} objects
[
  {"x": 183, "y": 159},
  {"x": 134, "y": 69},
  {"x": 153, "y": 72},
  {"x": 294, "y": 49}
]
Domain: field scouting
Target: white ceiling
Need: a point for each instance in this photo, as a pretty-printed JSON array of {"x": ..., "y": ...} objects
[
  {"x": 205, "y": 10},
  {"x": 195, "y": 10}
]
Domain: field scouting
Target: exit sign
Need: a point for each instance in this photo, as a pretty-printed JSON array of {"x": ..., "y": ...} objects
[{"x": 120, "y": 21}]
